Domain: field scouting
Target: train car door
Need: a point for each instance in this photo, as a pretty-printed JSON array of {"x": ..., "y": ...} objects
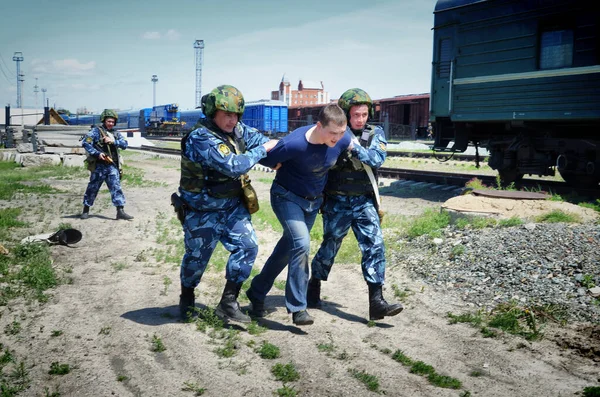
[{"x": 443, "y": 72}]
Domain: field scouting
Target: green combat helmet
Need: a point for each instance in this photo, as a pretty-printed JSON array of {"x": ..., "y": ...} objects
[
  {"x": 224, "y": 97},
  {"x": 108, "y": 113},
  {"x": 355, "y": 96}
]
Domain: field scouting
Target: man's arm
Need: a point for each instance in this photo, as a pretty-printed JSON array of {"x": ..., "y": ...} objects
[
  {"x": 120, "y": 141},
  {"x": 375, "y": 154},
  {"x": 89, "y": 140},
  {"x": 203, "y": 147}
]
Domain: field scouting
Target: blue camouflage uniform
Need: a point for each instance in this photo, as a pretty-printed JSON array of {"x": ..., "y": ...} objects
[
  {"x": 104, "y": 172},
  {"x": 350, "y": 202},
  {"x": 216, "y": 211}
]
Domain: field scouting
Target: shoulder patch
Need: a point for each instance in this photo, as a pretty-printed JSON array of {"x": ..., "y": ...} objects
[
  {"x": 89, "y": 139},
  {"x": 382, "y": 146},
  {"x": 224, "y": 149}
]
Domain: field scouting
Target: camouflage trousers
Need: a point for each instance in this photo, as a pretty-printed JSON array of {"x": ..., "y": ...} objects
[
  {"x": 204, "y": 229},
  {"x": 340, "y": 213},
  {"x": 110, "y": 175}
]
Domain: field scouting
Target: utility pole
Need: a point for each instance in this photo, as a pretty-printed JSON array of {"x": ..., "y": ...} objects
[
  {"x": 36, "y": 90},
  {"x": 44, "y": 96},
  {"x": 154, "y": 81},
  {"x": 18, "y": 58},
  {"x": 199, "y": 47}
]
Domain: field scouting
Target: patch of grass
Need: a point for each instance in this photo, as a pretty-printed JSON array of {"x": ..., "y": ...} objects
[
  {"x": 193, "y": 387},
  {"x": 370, "y": 381},
  {"x": 591, "y": 391},
  {"x": 57, "y": 368},
  {"x": 255, "y": 329},
  {"x": 166, "y": 282},
  {"x": 401, "y": 294},
  {"x": 207, "y": 318},
  {"x": 457, "y": 251},
  {"x": 157, "y": 344},
  {"x": 511, "y": 318},
  {"x": 105, "y": 330},
  {"x": 327, "y": 348},
  {"x": 592, "y": 205},
  {"x": 429, "y": 222},
  {"x": 476, "y": 184},
  {"x": 287, "y": 391},
  {"x": 265, "y": 219},
  {"x": 231, "y": 338},
  {"x": 285, "y": 373},
  {"x": 27, "y": 180},
  {"x": 118, "y": 266},
  {"x": 279, "y": 284},
  {"x": 558, "y": 216},
  {"x": 268, "y": 351},
  {"x": 421, "y": 368},
  {"x": 134, "y": 177},
  {"x": 588, "y": 281},
  {"x": 513, "y": 221},
  {"x": 122, "y": 378}
]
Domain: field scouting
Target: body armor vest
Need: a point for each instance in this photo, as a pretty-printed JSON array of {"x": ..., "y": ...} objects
[
  {"x": 348, "y": 176},
  {"x": 108, "y": 149},
  {"x": 195, "y": 177}
]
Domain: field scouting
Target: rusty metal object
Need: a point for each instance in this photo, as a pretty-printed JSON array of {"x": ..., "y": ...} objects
[{"x": 511, "y": 194}]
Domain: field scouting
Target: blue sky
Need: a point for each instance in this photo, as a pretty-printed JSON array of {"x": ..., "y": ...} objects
[{"x": 103, "y": 54}]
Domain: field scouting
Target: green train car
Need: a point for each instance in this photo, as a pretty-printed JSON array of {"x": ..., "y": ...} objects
[{"x": 522, "y": 79}]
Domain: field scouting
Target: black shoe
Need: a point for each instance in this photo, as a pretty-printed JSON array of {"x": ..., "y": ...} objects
[
  {"x": 258, "y": 307},
  {"x": 122, "y": 215},
  {"x": 86, "y": 212},
  {"x": 228, "y": 308},
  {"x": 187, "y": 303},
  {"x": 302, "y": 318},
  {"x": 313, "y": 294},
  {"x": 378, "y": 307}
]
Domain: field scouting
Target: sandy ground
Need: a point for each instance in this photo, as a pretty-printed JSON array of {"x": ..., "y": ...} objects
[{"x": 118, "y": 299}]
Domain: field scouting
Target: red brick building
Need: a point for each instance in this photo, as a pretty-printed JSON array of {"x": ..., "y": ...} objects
[{"x": 309, "y": 93}]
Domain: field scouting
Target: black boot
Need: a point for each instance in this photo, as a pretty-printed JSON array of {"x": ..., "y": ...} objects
[
  {"x": 313, "y": 294},
  {"x": 86, "y": 212},
  {"x": 121, "y": 214},
  {"x": 187, "y": 303},
  {"x": 229, "y": 308},
  {"x": 258, "y": 307},
  {"x": 378, "y": 307}
]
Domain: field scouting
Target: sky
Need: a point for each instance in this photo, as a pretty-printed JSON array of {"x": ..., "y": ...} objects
[{"x": 98, "y": 55}]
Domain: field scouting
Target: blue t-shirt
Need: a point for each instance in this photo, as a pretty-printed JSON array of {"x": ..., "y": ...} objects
[{"x": 304, "y": 165}]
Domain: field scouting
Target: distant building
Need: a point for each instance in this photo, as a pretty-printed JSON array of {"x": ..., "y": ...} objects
[{"x": 309, "y": 93}]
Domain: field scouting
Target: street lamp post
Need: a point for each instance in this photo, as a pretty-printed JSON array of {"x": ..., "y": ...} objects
[{"x": 154, "y": 81}]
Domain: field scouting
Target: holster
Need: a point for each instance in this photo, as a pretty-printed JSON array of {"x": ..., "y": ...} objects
[
  {"x": 249, "y": 197},
  {"x": 180, "y": 207}
]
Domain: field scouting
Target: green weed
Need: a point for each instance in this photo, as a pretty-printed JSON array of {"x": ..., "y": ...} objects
[
  {"x": 429, "y": 222},
  {"x": 57, "y": 368},
  {"x": 558, "y": 216},
  {"x": 591, "y": 391},
  {"x": 370, "y": 381},
  {"x": 285, "y": 373},
  {"x": 268, "y": 351},
  {"x": 255, "y": 329},
  {"x": 287, "y": 391},
  {"x": 157, "y": 344},
  {"x": 193, "y": 387}
]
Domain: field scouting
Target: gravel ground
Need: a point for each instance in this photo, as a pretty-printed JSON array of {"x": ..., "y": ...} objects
[{"x": 534, "y": 264}]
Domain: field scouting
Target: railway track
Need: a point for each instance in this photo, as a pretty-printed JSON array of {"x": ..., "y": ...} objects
[{"x": 450, "y": 178}]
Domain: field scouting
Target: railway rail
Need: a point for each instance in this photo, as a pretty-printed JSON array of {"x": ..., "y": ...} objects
[{"x": 450, "y": 178}]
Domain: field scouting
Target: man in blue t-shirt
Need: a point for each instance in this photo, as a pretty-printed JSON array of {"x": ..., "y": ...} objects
[{"x": 305, "y": 155}]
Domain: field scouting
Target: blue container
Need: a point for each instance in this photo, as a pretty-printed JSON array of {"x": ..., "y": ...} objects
[
  {"x": 267, "y": 116},
  {"x": 190, "y": 118}
]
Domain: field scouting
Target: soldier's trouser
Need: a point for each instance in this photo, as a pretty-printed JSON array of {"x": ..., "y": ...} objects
[
  {"x": 202, "y": 232},
  {"x": 297, "y": 216},
  {"x": 339, "y": 214},
  {"x": 109, "y": 174}
]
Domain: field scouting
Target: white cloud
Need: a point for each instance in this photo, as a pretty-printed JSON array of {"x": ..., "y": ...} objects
[
  {"x": 65, "y": 67},
  {"x": 172, "y": 34},
  {"x": 151, "y": 35}
]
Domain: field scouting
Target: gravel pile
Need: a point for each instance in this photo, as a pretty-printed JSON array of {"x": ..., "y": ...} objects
[{"x": 534, "y": 264}]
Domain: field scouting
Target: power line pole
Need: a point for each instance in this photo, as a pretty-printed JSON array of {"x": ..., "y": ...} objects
[
  {"x": 44, "y": 96},
  {"x": 154, "y": 81},
  {"x": 199, "y": 47},
  {"x": 36, "y": 90},
  {"x": 18, "y": 58}
]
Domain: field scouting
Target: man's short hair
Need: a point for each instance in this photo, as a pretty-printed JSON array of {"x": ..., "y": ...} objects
[{"x": 332, "y": 113}]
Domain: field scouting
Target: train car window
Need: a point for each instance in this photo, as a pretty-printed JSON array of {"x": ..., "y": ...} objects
[
  {"x": 556, "y": 49},
  {"x": 445, "y": 58}
]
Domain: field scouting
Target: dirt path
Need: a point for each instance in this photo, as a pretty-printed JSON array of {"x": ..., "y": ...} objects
[{"x": 120, "y": 297}]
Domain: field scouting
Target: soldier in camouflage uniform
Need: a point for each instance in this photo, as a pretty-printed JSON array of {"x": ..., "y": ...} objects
[
  {"x": 214, "y": 157},
  {"x": 351, "y": 202},
  {"x": 102, "y": 144}
]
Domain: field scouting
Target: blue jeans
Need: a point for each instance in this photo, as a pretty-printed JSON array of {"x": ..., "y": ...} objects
[{"x": 297, "y": 216}]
